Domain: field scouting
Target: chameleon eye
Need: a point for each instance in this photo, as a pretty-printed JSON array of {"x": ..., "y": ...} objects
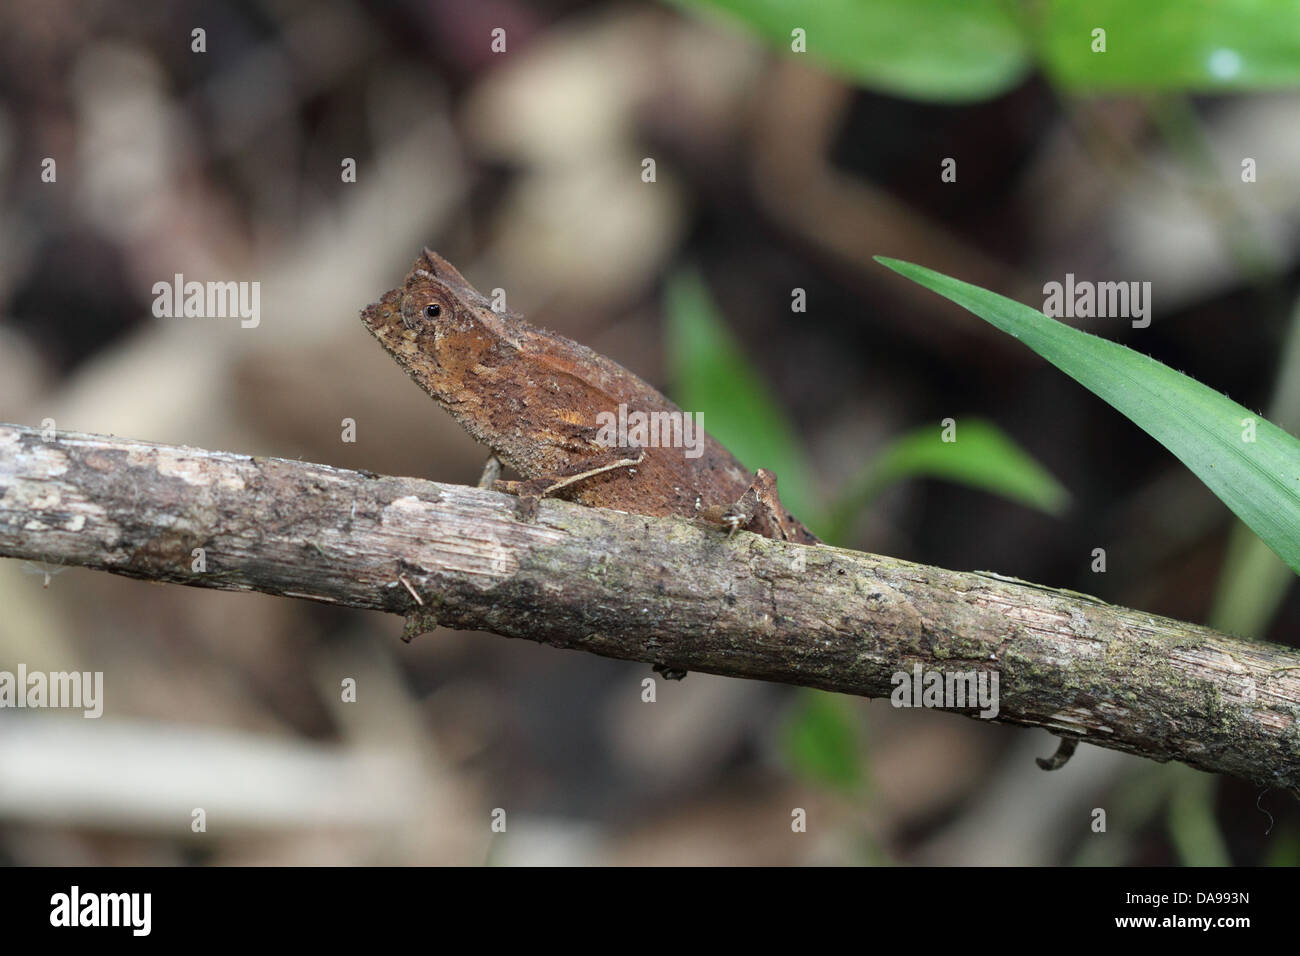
[{"x": 432, "y": 310}]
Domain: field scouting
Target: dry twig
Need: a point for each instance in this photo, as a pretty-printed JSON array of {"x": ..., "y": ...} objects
[{"x": 662, "y": 590}]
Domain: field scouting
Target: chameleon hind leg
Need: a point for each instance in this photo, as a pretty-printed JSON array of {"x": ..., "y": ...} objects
[{"x": 761, "y": 511}]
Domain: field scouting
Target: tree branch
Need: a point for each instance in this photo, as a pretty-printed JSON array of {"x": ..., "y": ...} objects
[{"x": 662, "y": 590}]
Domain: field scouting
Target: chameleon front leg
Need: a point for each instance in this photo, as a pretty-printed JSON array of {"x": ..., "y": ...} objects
[
  {"x": 533, "y": 490},
  {"x": 541, "y": 487},
  {"x": 491, "y": 472}
]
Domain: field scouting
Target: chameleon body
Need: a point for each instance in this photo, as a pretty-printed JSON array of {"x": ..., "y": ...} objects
[{"x": 534, "y": 397}]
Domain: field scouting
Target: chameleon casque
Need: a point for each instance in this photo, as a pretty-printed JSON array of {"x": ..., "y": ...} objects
[{"x": 533, "y": 396}]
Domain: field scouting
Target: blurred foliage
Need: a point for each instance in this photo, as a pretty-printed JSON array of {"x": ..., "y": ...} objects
[
  {"x": 710, "y": 374},
  {"x": 927, "y": 49},
  {"x": 981, "y": 456},
  {"x": 1192, "y": 827},
  {"x": 1286, "y": 848},
  {"x": 1192, "y": 45},
  {"x": 1136, "y": 800},
  {"x": 822, "y": 743},
  {"x": 961, "y": 50},
  {"x": 1251, "y": 587},
  {"x": 1259, "y": 480}
]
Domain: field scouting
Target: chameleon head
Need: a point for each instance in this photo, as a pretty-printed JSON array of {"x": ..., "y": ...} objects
[
  {"x": 433, "y": 299},
  {"x": 430, "y": 325}
]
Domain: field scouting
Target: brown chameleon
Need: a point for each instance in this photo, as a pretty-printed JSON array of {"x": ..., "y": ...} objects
[{"x": 534, "y": 397}]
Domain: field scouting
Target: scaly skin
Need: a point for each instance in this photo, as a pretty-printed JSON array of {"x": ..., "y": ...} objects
[{"x": 533, "y": 397}]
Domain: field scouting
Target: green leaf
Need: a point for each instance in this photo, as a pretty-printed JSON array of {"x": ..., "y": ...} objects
[
  {"x": 1252, "y": 584},
  {"x": 1259, "y": 480},
  {"x": 954, "y": 50},
  {"x": 1285, "y": 850},
  {"x": 822, "y": 742},
  {"x": 1192, "y": 45},
  {"x": 962, "y": 50},
  {"x": 1193, "y": 827},
  {"x": 982, "y": 456},
  {"x": 712, "y": 376}
]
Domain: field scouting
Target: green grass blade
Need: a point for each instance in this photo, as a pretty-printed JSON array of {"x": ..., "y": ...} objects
[
  {"x": 711, "y": 375},
  {"x": 1259, "y": 480},
  {"x": 982, "y": 456}
]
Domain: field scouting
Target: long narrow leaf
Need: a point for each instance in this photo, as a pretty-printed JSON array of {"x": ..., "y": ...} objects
[
  {"x": 711, "y": 375},
  {"x": 983, "y": 457},
  {"x": 1258, "y": 479}
]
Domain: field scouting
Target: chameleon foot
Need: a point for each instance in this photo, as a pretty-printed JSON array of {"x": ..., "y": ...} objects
[{"x": 760, "y": 510}]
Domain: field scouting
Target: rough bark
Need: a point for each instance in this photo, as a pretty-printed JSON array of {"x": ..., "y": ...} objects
[{"x": 661, "y": 590}]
